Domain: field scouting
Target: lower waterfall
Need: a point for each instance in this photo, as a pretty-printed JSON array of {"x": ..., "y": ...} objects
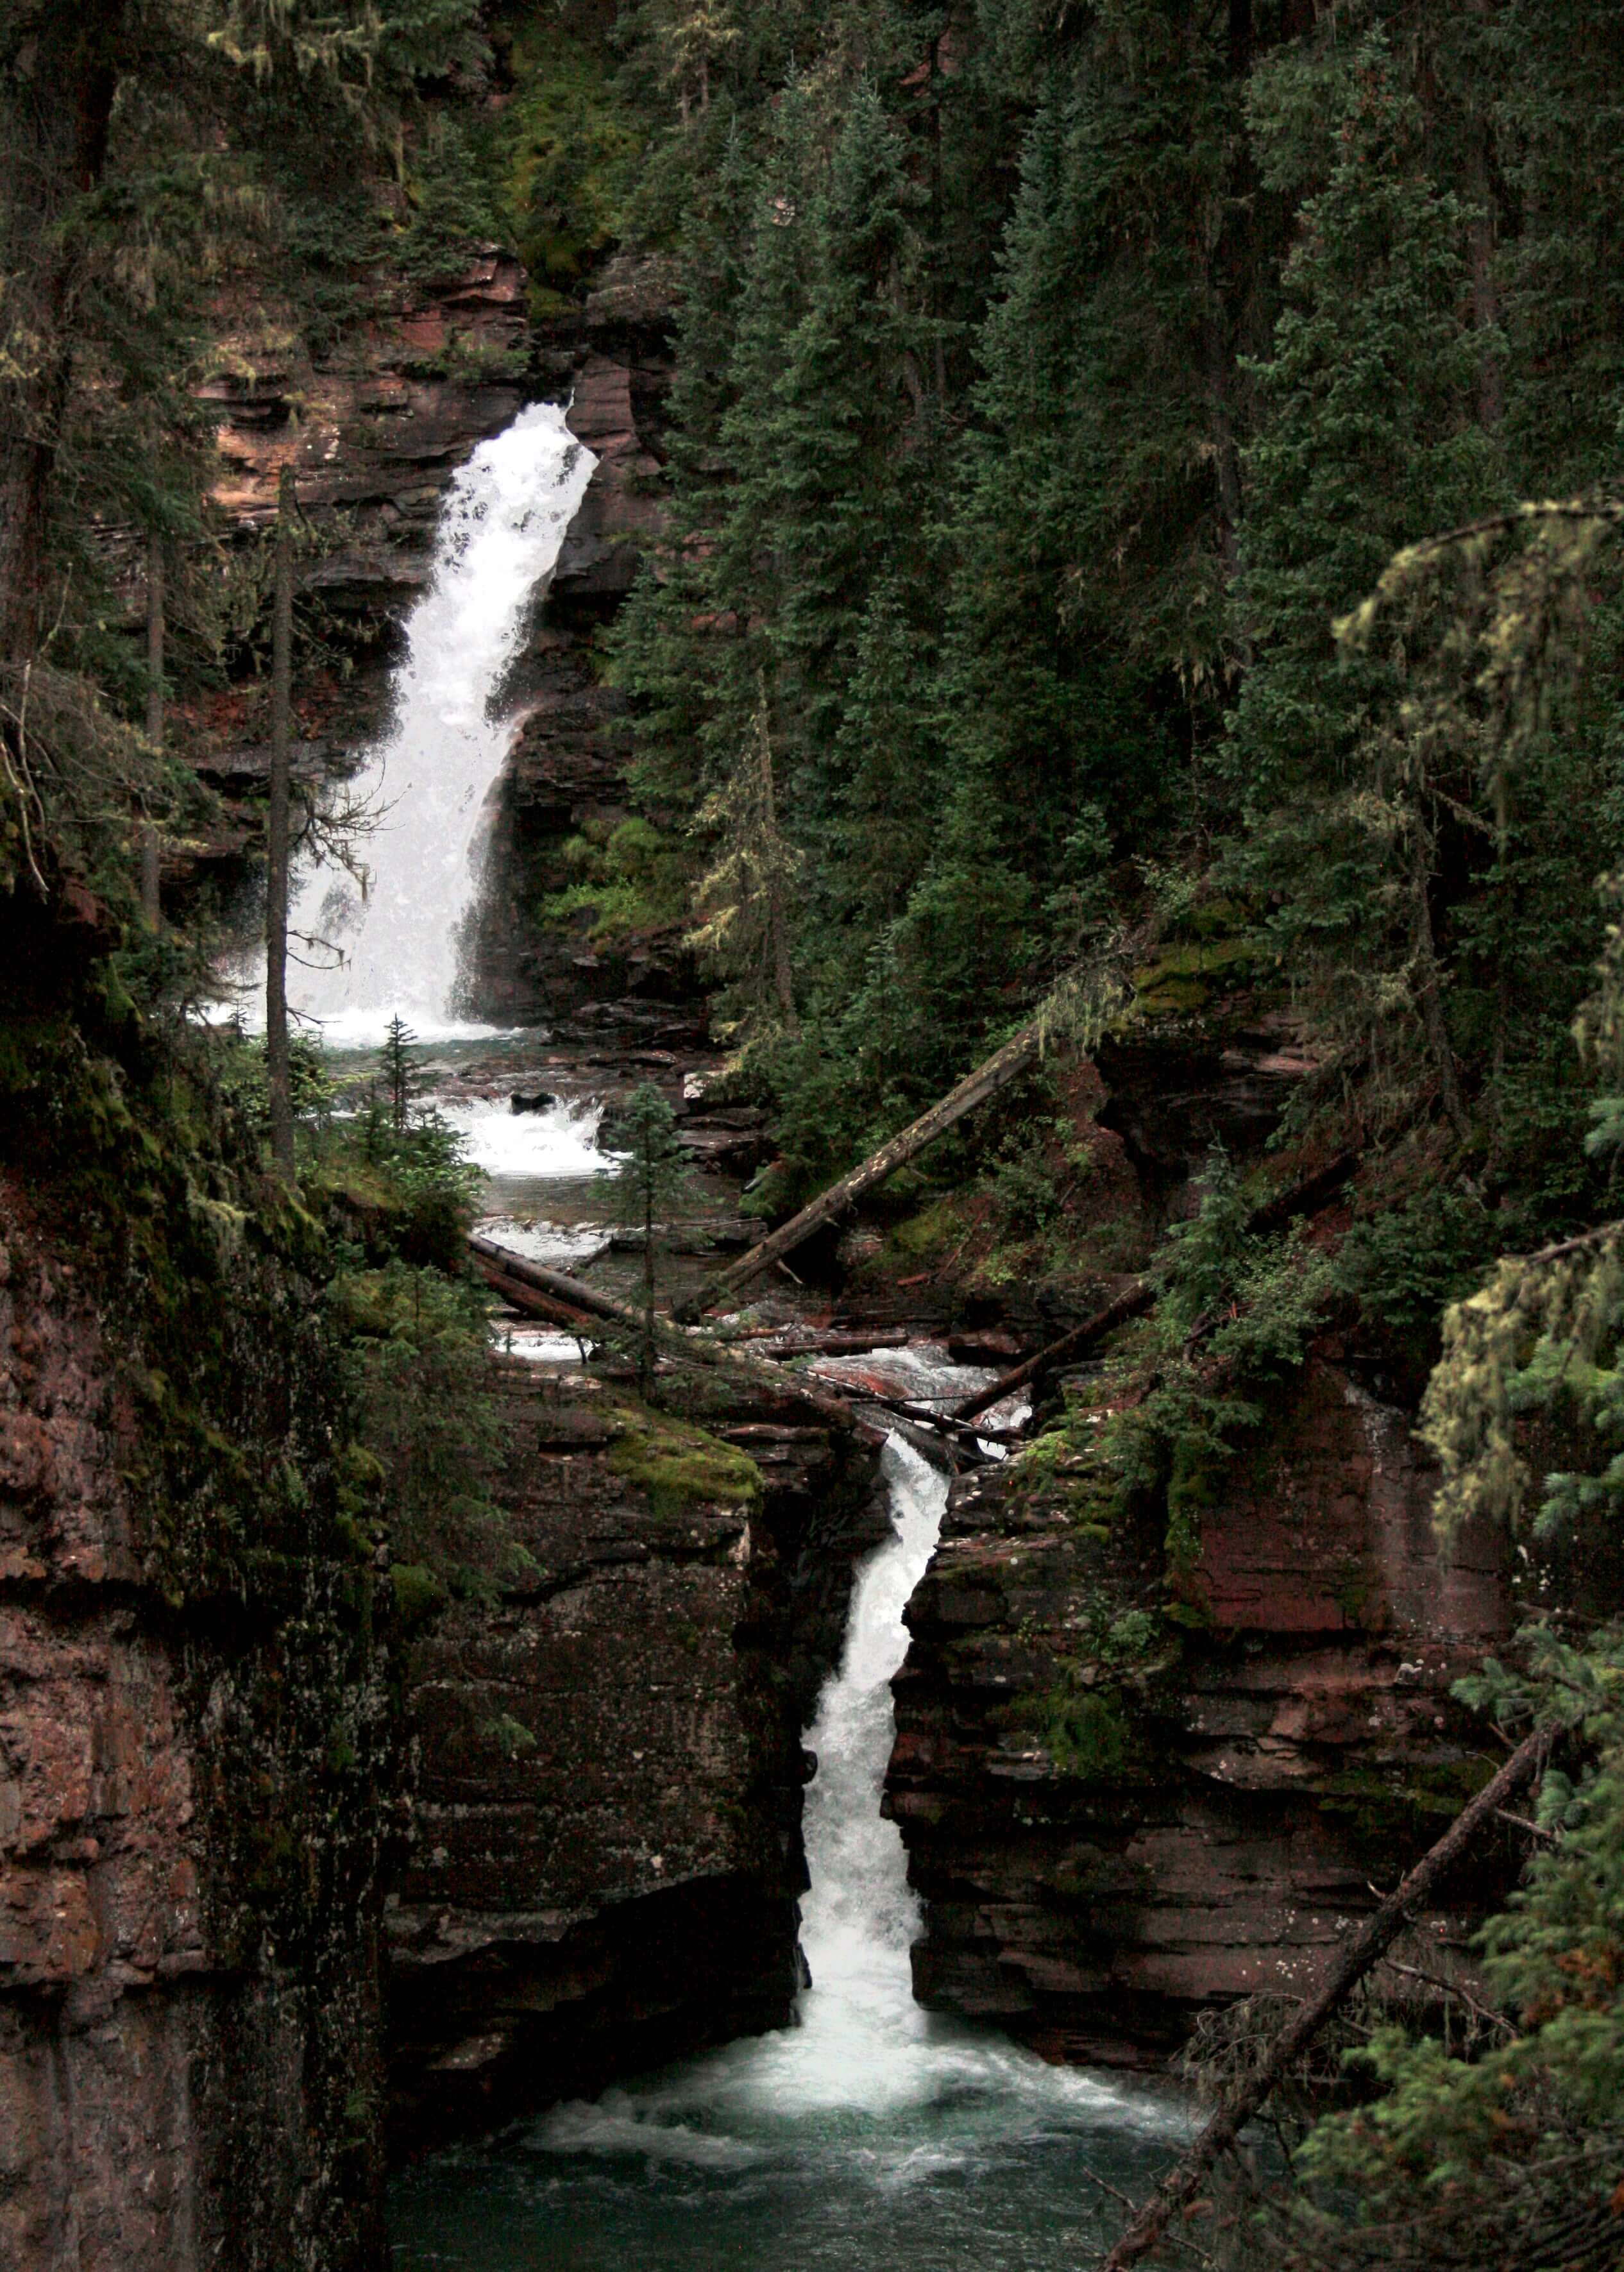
[{"x": 874, "y": 2136}]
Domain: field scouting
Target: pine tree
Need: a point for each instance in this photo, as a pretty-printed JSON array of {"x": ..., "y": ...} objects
[
  {"x": 654, "y": 1173},
  {"x": 745, "y": 895},
  {"x": 1369, "y": 436},
  {"x": 398, "y": 1072}
]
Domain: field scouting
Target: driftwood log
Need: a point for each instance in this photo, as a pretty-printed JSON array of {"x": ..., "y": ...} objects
[
  {"x": 1132, "y": 1302},
  {"x": 571, "y": 1302},
  {"x": 995, "y": 1073},
  {"x": 1371, "y": 1941}
]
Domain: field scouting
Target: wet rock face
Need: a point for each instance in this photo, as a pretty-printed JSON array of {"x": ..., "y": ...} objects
[
  {"x": 383, "y": 425},
  {"x": 99, "y": 1928},
  {"x": 1112, "y": 1833},
  {"x": 566, "y": 778},
  {"x": 606, "y": 1856}
]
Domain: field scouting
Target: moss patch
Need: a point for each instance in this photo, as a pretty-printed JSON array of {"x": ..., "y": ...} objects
[{"x": 679, "y": 1466}]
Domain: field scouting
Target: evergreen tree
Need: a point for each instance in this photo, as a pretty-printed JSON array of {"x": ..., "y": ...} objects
[
  {"x": 745, "y": 896},
  {"x": 1369, "y": 436},
  {"x": 654, "y": 1173},
  {"x": 398, "y": 1072}
]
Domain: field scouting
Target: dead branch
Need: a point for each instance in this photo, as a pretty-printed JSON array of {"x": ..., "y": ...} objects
[{"x": 1372, "y": 1940}]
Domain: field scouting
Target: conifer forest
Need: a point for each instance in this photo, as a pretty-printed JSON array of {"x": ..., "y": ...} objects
[{"x": 812, "y": 1098}]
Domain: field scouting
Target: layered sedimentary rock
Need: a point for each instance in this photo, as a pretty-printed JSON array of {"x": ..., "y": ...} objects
[
  {"x": 1144, "y": 1767},
  {"x": 1118, "y": 1817},
  {"x": 606, "y": 1855},
  {"x": 374, "y": 432},
  {"x": 167, "y": 2089}
]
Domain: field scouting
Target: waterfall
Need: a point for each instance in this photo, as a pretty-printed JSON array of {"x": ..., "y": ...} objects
[
  {"x": 861, "y": 2032},
  {"x": 874, "y": 2132},
  {"x": 501, "y": 530}
]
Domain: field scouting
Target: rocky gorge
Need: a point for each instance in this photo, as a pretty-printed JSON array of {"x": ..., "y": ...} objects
[{"x": 1134, "y": 1785}]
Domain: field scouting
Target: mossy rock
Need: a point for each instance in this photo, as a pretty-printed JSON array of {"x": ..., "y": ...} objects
[
  {"x": 1389, "y": 1811},
  {"x": 925, "y": 1232},
  {"x": 418, "y": 1593},
  {"x": 1089, "y": 1735},
  {"x": 680, "y": 1466},
  {"x": 1182, "y": 978}
]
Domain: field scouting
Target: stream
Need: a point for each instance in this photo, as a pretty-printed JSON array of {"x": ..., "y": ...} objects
[{"x": 872, "y": 2134}]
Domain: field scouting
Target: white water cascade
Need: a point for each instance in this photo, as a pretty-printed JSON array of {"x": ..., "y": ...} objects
[
  {"x": 864, "y": 2050},
  {"x": 500, "y": 533},
  {"x": 872, "y": 2134}
]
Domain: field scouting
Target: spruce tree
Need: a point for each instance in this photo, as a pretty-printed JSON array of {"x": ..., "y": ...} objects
[
  {"x": 654, "y": 1173},
  {"x": 1369, "y": 438}
]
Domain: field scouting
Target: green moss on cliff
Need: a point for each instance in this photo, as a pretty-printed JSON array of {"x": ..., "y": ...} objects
[{"x": 680, "y": 1466}]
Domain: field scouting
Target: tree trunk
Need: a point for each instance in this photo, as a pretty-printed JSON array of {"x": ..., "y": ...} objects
[
  {"x": 697, "y": 1348},
  {"x": 1485, "y": 310},
  {"x": 1429, "y": 999},
  {"x": 647, "y": 1363},
  {"x": 151, "y": 906},
  {"x": 75, "y": 73},
  {"x": 278, "y": 1068},
  {"x": 1131, "y": 1303},
  {"x": 778, "y": 925},
  {"x": 1374, "y": 1938},
  {"x": 996, "y": 1073}
]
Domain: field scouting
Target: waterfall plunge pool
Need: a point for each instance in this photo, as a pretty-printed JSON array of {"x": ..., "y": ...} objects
[{"x": 872, "y": 2137}]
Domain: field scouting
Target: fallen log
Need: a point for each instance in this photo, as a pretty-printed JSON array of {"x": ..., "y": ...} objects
[
  {"x": 995, "y": 1073},
  {"x": 530, "y": 1299},
  {"x": 589, "y": 1302},
  {"x": 852, "y": 1343},
  {"x": 1132, "y": 1302},
  {"x": 924, "y": 1416},
  {"x": 1374, "y": 1936},
  {"x": 1306, "y": 1196}
]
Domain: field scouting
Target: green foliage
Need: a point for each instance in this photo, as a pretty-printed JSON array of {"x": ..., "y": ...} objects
[
  {"x": 1086, "y": 1734},
  {"x": 571, "y": 143},
  {"x": 397, "y": 1072},
  {"x": 1403, "y": 1265},
  {"x": 631, "y": 878},
  {"x": 419, "y": 1348},
  {"x": 1455, "y": 2159}
]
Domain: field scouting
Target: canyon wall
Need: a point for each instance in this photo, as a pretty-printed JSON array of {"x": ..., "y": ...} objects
[
  {"x": 1139, "y": 1774},
  {"x": 1118, "y": 1826},
  {"x": 188, "y": 1995},
  {"x": 374, "y": 430},
  {"x": 606, "y": 1850}
]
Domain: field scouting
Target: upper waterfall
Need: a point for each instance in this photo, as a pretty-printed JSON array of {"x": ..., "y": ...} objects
[{"x": 501, "y": 530}]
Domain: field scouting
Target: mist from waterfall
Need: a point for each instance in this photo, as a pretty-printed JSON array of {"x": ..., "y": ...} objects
[{"x": 356, "y": 960}]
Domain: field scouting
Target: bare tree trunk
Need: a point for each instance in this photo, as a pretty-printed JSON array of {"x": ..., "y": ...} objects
[
  {"x": 1429, "y": 998},
  {"x": 996, "y": 1073},
  {"x": 1374, "y": 1938},
  {"x": 1485, "y": 288},
  {"x": 778, "y": 927},
  {"x": 74, "y": 68},
  {"x": 278, "y": 1069},
  {"x": 647, "y": 1366},
  {"x": 150, "y": 905},
  {"x": 520, "y": 1281}
]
